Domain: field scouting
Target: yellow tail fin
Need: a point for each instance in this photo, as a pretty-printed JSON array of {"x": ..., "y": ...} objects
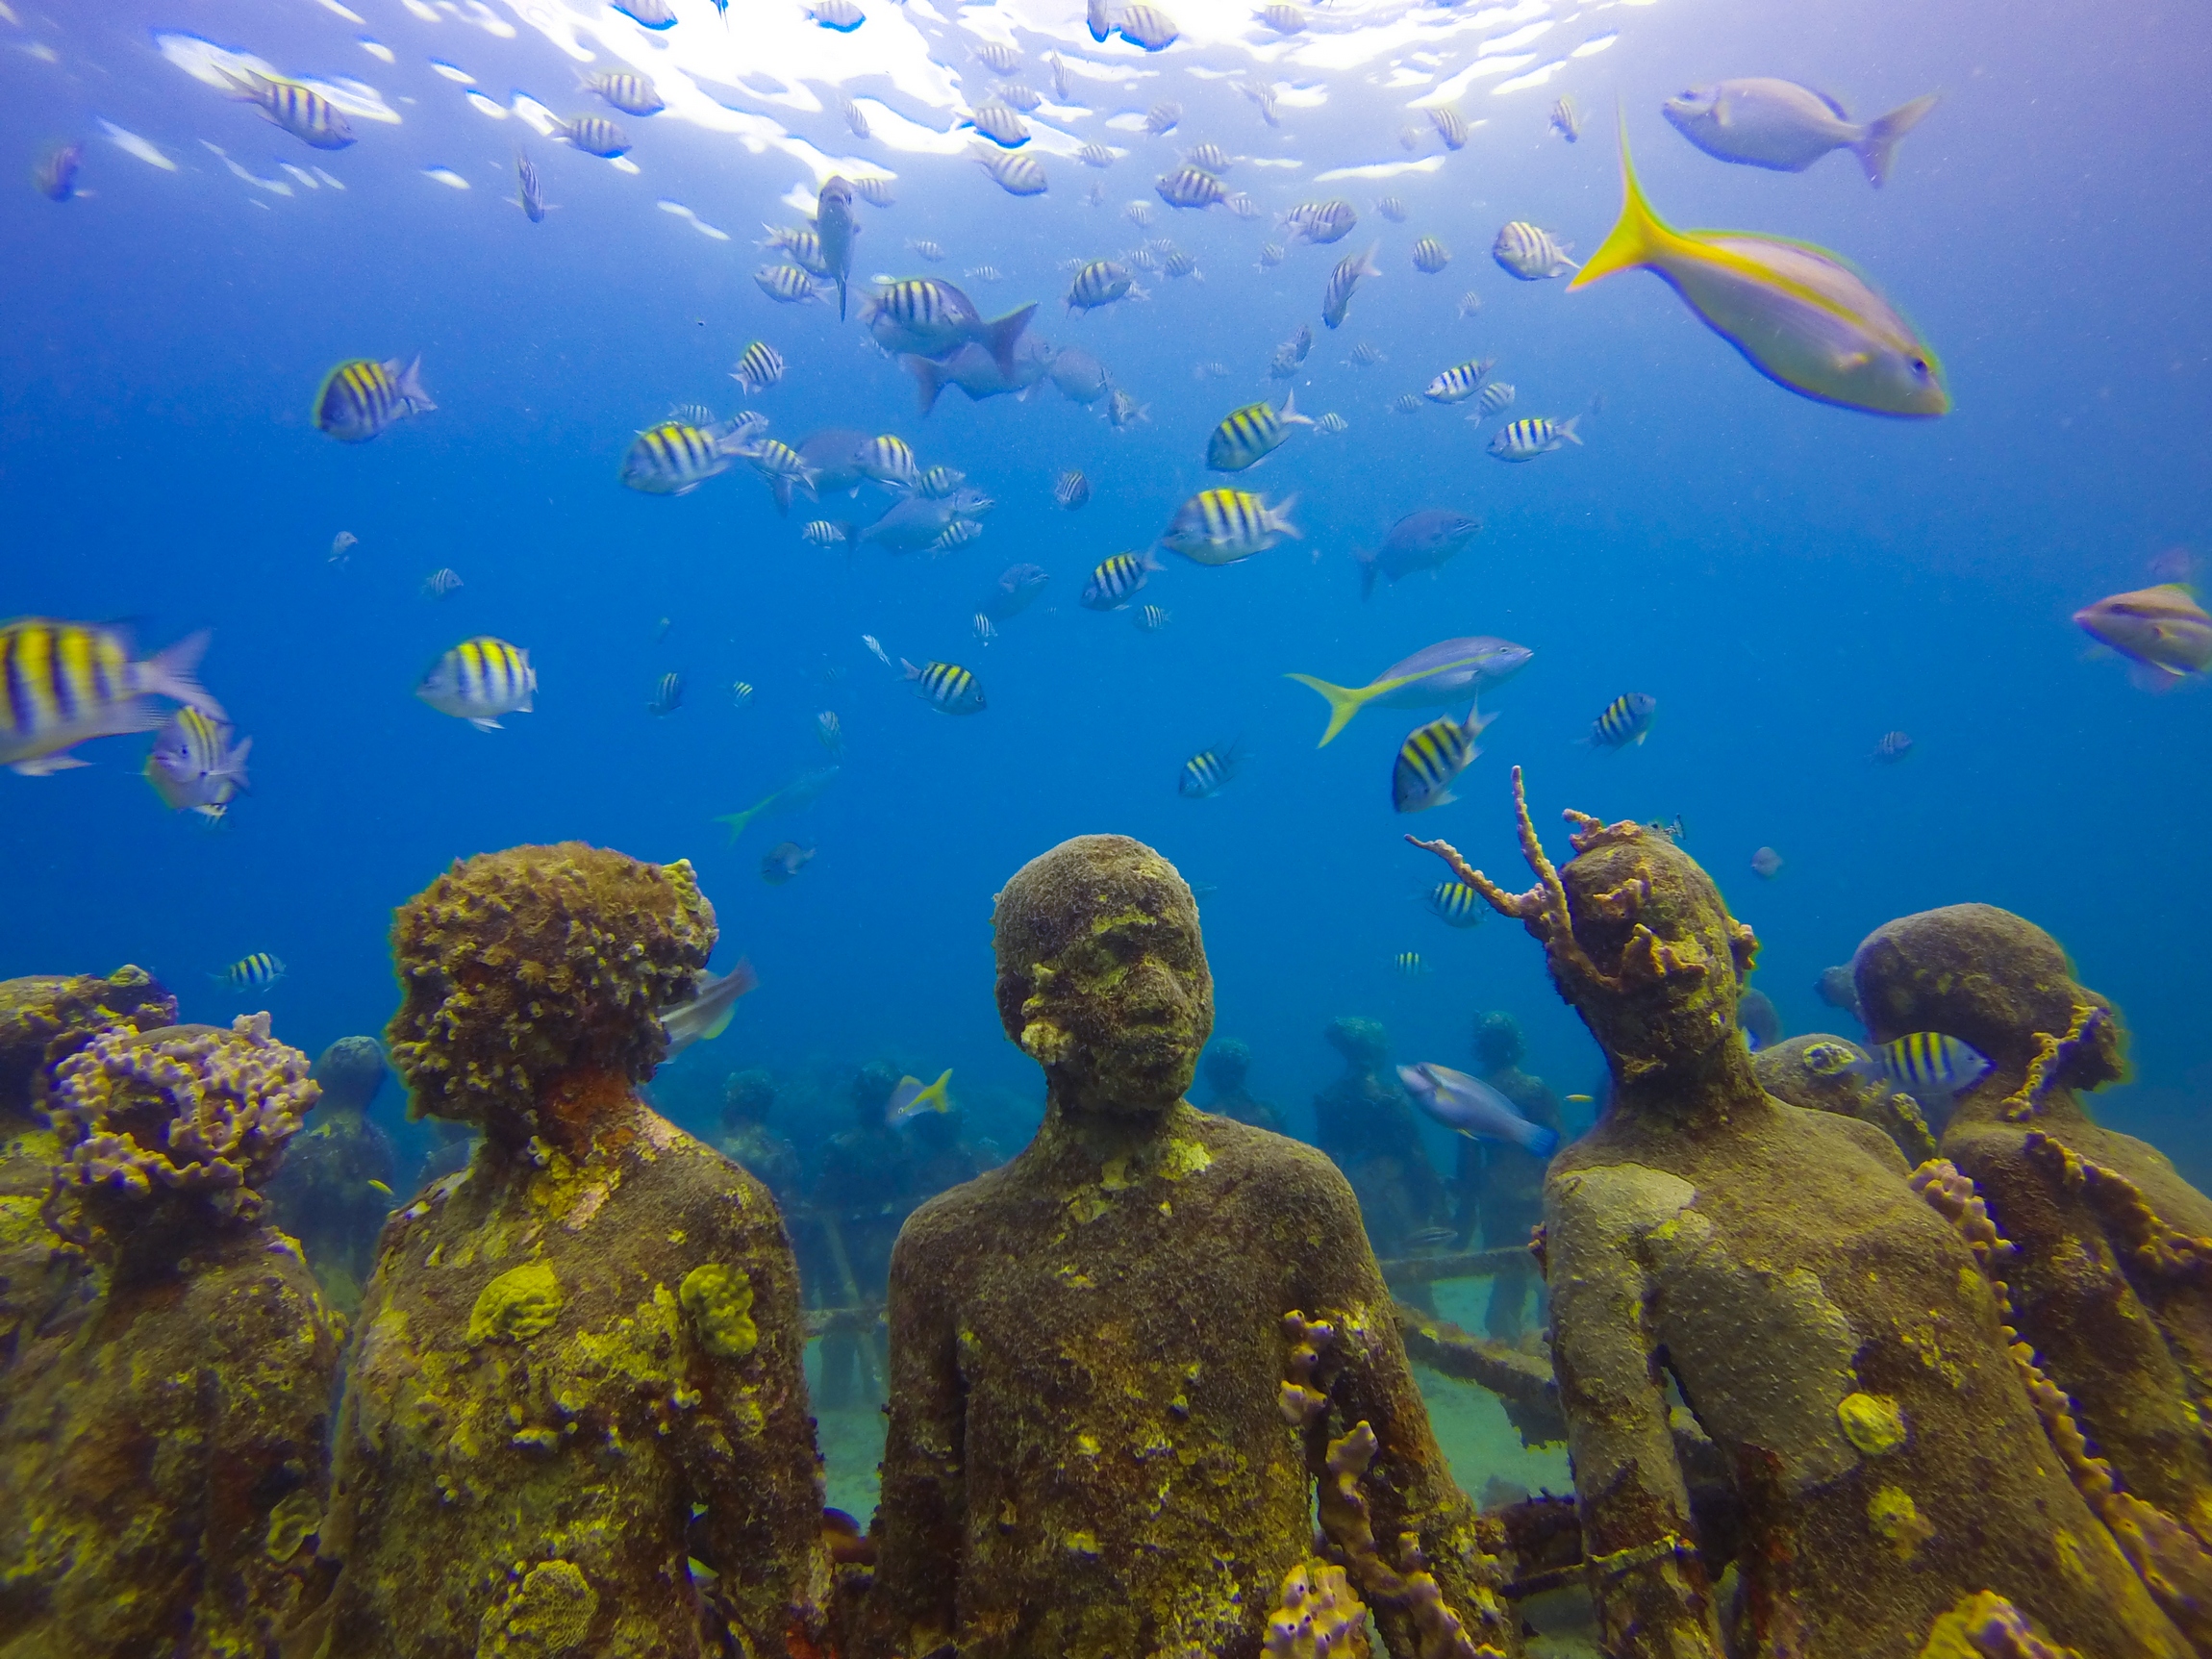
[
  {"x": 1637, "y": 237},
  {"x": 1344, "y": 701}
]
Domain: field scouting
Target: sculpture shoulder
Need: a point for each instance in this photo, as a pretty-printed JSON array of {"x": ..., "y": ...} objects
[
  {"x": 1832, "y": 1132},
  {"x": 1274, "y": 1168}
]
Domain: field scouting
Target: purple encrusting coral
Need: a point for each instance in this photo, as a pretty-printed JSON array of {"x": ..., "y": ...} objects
[{"x": 194, "y": 1109}]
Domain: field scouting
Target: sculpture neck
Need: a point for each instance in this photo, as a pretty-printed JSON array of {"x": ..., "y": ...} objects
[
  {"x": 1715, "y": 1090},
  {"x": 569, "y": 1113}
]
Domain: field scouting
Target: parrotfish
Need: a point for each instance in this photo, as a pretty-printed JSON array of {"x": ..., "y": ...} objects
[{"x": 1474, "y": 1108}]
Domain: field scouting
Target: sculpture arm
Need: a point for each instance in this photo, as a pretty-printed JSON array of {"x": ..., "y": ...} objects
[
  {"x": 920, "y": 1520},
  {"x": 1639, "y": 1541}
]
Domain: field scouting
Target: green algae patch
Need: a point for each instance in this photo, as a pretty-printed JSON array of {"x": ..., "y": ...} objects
[
  {"x": 292, "y": 1523},
  {"x": 1874, "y": 1422},
  {"x": 719, "y": 1301},
  {"x": 519, "y": 1304},
  {"x": 549, "y": 1613}
]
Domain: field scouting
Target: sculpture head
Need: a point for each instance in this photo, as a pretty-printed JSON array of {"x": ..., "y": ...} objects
[
  {"x": 1228, "y": 1063},
  {"x": 351, "y": 1071},
  {"x": 1102, "y": 975},
  {"x": 1362, "y": 1043},
  {"x": 532, "y": 979},
  {"x": 1990, "y": 978},
  {"x": 1656, "y": 962},
  {"x": 748, "y": 1097},
  {"x": 1498, "y": 1040}
]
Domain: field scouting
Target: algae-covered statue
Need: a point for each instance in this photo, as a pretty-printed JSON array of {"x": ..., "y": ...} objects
[
  {"x": 161, "y": 1469},
  {"x": 1832, "y": 1333},
  {"x": 1095, "y": 1450},
  {"x": 1826, "y": 1074},
  {"x": 43, "y": 1021},
  {"x": 2111, "y": 1278},
  {"x": 335, "y": 1189},
  {"x": 1498, "y": 1186},
  {"x": 1364, "y": 1121},
  {"x": 575, "y": 1422}
]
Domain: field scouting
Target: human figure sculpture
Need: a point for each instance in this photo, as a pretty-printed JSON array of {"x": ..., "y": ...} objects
[
  {"x": 162, "y": 1473},
  {"x": 1832, "y": 1334},
  {"x": 44, "y": 1018},
  {"x": 1227, "y": 1064},
  {"x": 2111, "y": 1282},
  {"x": 336, "y": 1188},
  {"x": 1364, "y": 1122},
  {"x": 859, "y": 1201},
  {"x": 576, "y": 1420},
  {"x": 1093, "y": 1346},
  {"x": 748, "y": 1097},
  {"x": 1500, "y": 1187}
]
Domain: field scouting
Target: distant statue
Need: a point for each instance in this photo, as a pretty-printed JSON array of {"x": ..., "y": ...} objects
[
  {"x": 1095, "y": 1347},
  {"x": 1500, "y": 1187},
  {"x": 1364, "y": 1121},
  {"x": 1227, "y": 1064},
  {"x": 860, "y": 1201},
  {"x": 576, "y": 1419},
  {"x": 748, "y": 1097},
  {"x": 335, "y": 1189},
  {"x": 1758, "y": 1294}
]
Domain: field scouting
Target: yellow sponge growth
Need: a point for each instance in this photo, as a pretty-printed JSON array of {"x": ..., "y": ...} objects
[
  {"x": 1874, "y": 1422},
  {"x": 719, "y": 1301},
  {"x": 517, "y": 1305},
  {"x": 522, "y": 968}
]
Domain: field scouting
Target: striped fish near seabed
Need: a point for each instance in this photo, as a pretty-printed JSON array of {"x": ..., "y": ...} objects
[{"x": 1798, "y": 314}]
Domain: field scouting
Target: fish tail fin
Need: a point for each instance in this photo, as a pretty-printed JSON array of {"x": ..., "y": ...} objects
[
  {"x": 1344, "y": 701},
  {"x": 234, "y": 765},
  {"x": 1877, "y": 149},
  {"x": 738, "y": 823},
  {"x": 170, "y": 675},
  {"x": 1638, "y": 236},
  {"x": 411, "y": 387},
  {"x": 935, "y": 1096},
  {"x": 1279, "y": 517},
  {"x": 928, "y": 382},
  {"x": 727, "y": 989},
  {"x": 1566, "y": 429},
  {"x": 1367, "y": 562},
  {"x": 1540, "y": 1142},
  {"x": 1001, "y": 335},
  {"x": 1477, "y": 723},
  {"x": 1289, "y": 413}
]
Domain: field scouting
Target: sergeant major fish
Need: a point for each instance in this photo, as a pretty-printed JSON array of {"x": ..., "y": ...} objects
[
  {"x": 479, "y": 681},
  {"x": 632, "y": 93},
  {"x": 1223, "y": 526},
  {"x": 1015, "y": 175},
  {"x": 945, "y": 687},
  {"x": 1924, "y": 1065},
  {"x": 1530, "y": 253},
  {"x": 1118, "y": 577},
  {"x": 1336, "y": 298},
  {"x": 300, "y": 110},
  {"x": 194, "y": 766},
  {"x": 1249, "y": 435},
  {"x": 1531, "y": 436},
  {"x": 1626, "y": 720},
  {"x": 1207, "y": 773},
  {"x": 1101, "y": 283},
  {"x": 1431, "y": 758},
  {"x": 1191, "y": 187},
  {"x": 931, "y": 318},
  {"x": 362, "y": 397},
  {"x": 1457, "y": 384},
  {"x": 255, "y": 972},
  {"x": 1430, "y": 256},
  {"x": 1760, "y": 121},
  {"x": 1455, "y": 904},
  {"x": 675, "y": 457},
  {"x": 594, "y": 136}
]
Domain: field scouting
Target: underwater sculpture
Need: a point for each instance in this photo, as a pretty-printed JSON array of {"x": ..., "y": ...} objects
[
  {"x": 1498, "y": 1186},
  {"x": 748, "y": 1097},
  {"x": 1814, "y": 1072},
  {"x": 1228, "y": 1062},
  {"x": 44, "y": 1019},
  {"x": 1364, "y": 1121},
  {"x": 859, "y": 1201},
  {"x": 336, "y": 1186},
  {"x": 2111, "y": 1247},
  {"x": 1096, "y": 1347},
  {"x": 161, "y": 1472},
  {"x": 1835, "y": 1338},
  {"x": 575, "y": 1420}
]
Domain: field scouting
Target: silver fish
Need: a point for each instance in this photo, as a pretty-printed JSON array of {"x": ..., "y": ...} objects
[{"x": 1763, "y": 122}]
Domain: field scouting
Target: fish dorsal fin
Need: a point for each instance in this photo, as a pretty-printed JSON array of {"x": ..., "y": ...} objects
[{"x": 1834, "y": 109}]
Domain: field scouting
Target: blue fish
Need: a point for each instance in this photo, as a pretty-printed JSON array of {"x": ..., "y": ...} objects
[{"x": 1474, "y": 1109}]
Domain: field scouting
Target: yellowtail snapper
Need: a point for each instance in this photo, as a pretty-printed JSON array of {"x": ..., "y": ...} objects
[
  {"x": 360, "y": 397},
  {"x": 1760, "y": 121},
  {"x": 1456, "y": 904},
  {"x": 1431, "y": 758},
  {"x": 1444, "y": 672},
  {"x": 802, "y": 790},
  {"x": 249, "y": 973},
  {"x": 1626, "y": 720},
  {"x": 300, "y": 110},
  {"x": 668, "y": 696},
  {"x": 194, "y": 767},
  {"x": 1249, "y": 435},
  {"x": 1799, "y": 315},
  {"x": 1118, "y": 577},
  {"x": 1336, "y": 298},
  {"x": 65, "y": 683},
  {"x": 1209, "y": 773},
  {"x": 945, "y": 687},
  {"x": 1531, "y": 436},
  {"x": 910, "y": 1099},
  {"x": 1222, "y": 526},
  {"x": 480, "y": 680},
  {"x": 1071, "y": 489}
]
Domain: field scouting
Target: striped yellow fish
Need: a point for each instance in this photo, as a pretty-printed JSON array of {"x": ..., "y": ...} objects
[
  {"x": 195, "y": 766},
  {"x": 300, "y": 110},
  {"x": 945, "y": 687},
  {"x": 360, "y": 397},
  {"x": 1457, "y": 904},
  {"x": 62, "y": 684},
  {"x": 675, "y": 457},
  {"x": 479, "y": 680},
  {"x": 1222, "y": 526},
  {"x": 255, "y": 972},
  {"x": 1925, "y": 1064},
  {"x": 1430, "y": 758},
  {"x": 1249, "y": 435}
]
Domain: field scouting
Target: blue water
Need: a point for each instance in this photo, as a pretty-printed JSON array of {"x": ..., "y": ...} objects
[{"x": 1790, "y": 581}]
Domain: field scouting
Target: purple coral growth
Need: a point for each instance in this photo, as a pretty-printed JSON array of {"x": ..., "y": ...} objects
[
  {"x": 191, "y": 1109},
  {"x": 1999, "y": 1631}
]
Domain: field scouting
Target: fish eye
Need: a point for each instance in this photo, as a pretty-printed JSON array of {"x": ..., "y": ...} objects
[{"x": 1920, "y": 367}]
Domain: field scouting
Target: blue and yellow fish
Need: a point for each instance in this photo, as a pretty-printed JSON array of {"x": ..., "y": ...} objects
[
  {"x": 1801, "y": 316},
  {"x": 62, "y": 684},
  {"x": 479, "y": 680},
  {"x": 255, "y": 972},
  {"x": 1457, "y": 904},
  {"x": 1626, "y": 720},
  {"x": 360, "y": 397},
  {"x": 945, "y": 687},
  {"x": 1249, "y": 435},
  {"x": 1430, "y": 758},
  {"x": 1222, "y": 526}
]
